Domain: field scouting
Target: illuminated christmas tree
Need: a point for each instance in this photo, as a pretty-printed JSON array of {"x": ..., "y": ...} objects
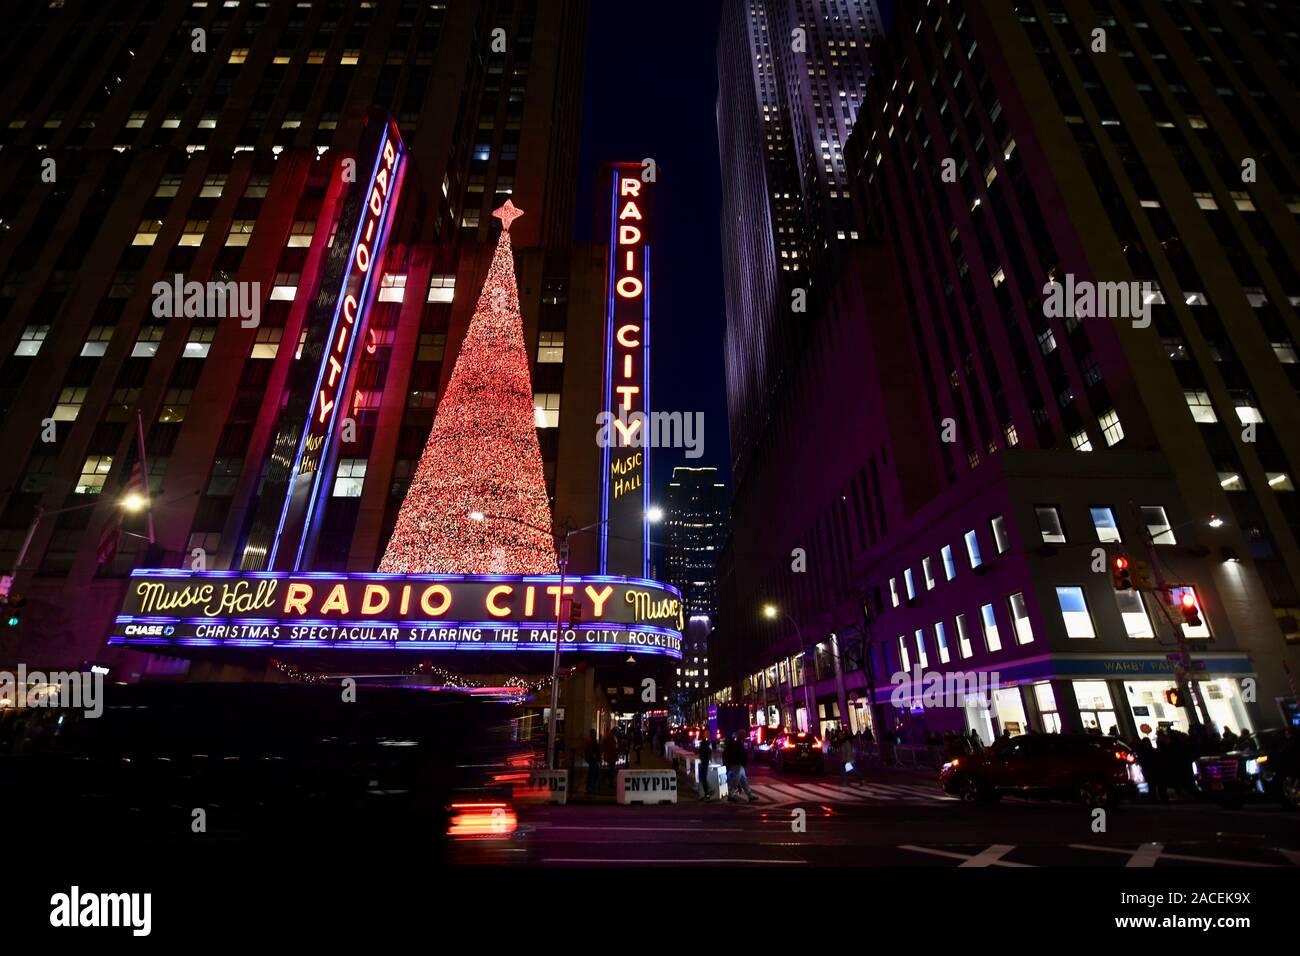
[{"x": 479, "y": 483}]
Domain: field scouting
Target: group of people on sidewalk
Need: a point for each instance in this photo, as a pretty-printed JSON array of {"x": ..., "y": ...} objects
[
  {"x": 734, "y": 758},
  {"x": 606, "y": 754}
]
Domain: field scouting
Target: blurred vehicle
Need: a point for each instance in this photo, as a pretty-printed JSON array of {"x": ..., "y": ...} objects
[
  {"x": 1094, "y": 770},
  {"x": 194, "y": 763},
  {"x": 1271, "y": 770},
  {"x": 796, "y": 751},
  {"x": 762, "y": 742},
  {"x": 728, "y": 719}
]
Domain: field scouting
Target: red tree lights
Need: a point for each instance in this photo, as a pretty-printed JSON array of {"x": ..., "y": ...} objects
[{"x": 482, "y": 456}]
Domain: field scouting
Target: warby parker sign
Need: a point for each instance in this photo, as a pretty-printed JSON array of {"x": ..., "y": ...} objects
[
  {"x": 432, "y": 612},
  {"x": 625, "y": 542}
]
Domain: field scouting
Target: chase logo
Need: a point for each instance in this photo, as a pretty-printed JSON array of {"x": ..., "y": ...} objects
[{"x": 149, "y": 630}]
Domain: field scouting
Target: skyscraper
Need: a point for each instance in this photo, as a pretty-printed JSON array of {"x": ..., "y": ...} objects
[
  {"x": 1003, "y": 449},
  {"x": 694, "y": 530},
  {"x": 792, "y": 75},
  {"x": 145, "y": 141}
]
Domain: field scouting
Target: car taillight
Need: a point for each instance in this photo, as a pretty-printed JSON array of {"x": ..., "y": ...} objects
[
  {"x": 481, "y": 820},
  {"x": 1125, "y": 756},
  {"x": 787, "y": 744}
]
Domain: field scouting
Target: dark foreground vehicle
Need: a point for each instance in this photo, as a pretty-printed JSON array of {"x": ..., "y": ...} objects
[
  {"x": 1093, "y": 770},
  {"x": 1271, "y": 771},
  {"x": 282, "y": 765},
  {"x": 798, "y": 751}
]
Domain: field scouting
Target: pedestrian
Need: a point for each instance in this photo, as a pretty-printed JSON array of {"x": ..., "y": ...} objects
[
  {"x": 733, "y": 755},
  {"x": 611, "y": 755},
  {"x": 868, "y": 742},
  {"x": 1247, "y": 742},
  {"x": 637, "y": 741},
  {"x": 1230, "y": 740},
  {"x": 704, "y": 750},
  {"x": 933, "y": 744},
  {"x": 1149, "y": 761},
  {"x": 593, "y": 762},
  {"x": 625, "y": 747},
  {"x": 976, "y": 744},
  {"x": 846, "y": 760}
]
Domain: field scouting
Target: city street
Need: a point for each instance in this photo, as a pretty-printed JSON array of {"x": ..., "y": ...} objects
[{"x": 899, "y": 820}]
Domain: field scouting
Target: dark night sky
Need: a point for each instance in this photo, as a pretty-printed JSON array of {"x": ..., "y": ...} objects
[{"x": 651, "y": 88}]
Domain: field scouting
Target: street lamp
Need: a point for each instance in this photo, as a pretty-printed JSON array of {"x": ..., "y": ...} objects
[
  {"x": 132, "y": 502},
  {"x": 771, "y": 612},
  {"x": 653, "y": 515}
]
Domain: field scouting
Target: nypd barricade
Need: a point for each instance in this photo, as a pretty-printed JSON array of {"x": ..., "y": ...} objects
[
  {"x": 545, "y": 786},
  {"x": 647, "y": 786}
]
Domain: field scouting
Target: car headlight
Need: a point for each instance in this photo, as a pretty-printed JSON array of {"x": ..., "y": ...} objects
[{"x": 1252, "y": 768}]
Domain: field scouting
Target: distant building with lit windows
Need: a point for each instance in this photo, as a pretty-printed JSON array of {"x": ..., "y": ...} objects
[{"x": 963, "y": 462}]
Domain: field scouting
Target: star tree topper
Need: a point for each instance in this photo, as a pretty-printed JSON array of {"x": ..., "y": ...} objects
[{"x": 507, "y": 214}]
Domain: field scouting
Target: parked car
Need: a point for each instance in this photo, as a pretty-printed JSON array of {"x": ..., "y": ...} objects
[
  {"x": 1094, "y": 770},
  {"x": 799, "y": 751},
  {"x": 1269, "y": 771}
]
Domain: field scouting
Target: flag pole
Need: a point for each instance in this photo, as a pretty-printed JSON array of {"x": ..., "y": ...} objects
[{"x": 144, "y": 474}]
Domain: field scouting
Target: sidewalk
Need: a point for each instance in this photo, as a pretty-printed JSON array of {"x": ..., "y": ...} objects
[{"x": 650, "y": 760}]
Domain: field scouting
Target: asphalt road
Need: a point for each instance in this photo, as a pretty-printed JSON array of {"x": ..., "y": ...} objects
[{"x": 899, "y": 818}]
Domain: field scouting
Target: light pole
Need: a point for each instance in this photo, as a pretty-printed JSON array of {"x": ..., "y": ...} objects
[
  {"x": 652, "y": 515},
  {"x": 771, "y": 612},
  {"x": 132, "y": 502}
]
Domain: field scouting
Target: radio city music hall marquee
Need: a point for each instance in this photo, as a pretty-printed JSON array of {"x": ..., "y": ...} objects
[
  {"x": 625, "y": 488},
  {"x": 425, "y": 612}
]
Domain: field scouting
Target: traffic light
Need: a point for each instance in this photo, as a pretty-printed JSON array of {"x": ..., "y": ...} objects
[
  {"x": 1187, "y": 604},
  {"x": 12, "y": 610},
  {"x": 1121, "y": 573},
  {"x": 1173, "y": 699}
]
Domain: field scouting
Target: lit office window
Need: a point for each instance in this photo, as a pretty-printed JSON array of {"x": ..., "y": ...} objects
[
  {"x": 212, "y": 185},
  {"x": 431, "y": 347},
  {"x": 893, "y": 592},
  {"x": 1201, "y": 407},
  {"x": 146, "y": 234},
  {"x": 349, "y": 477},
  {"x": 1074, "y": 611},
  {"x": 909, "y": 584},
  {"x": 97, "y": 340},
  {"x": 1157, "y": 522},
  {"x": 941, "y": 638},
  {"x": 176, "y": 403},
  {"x": 300, "y": 236},
  {"x": 69, "y": 404},
  {"x": 990, "y": 621},
  {"x": 1080, "y": 441},
  {"x": 266, "y": 343},
  {"x": 392, "y": 287},
  {"x": 1279, "y": 481},
  {"x": 442, "y": 287},
  {"x": 1131, "y": 608},
  {"x": 550, "y": 347},
  {"x": 1001, "y": 540},
  {"x": 904, "y": 658},
  {"x": 921, "y": 657},
  {"x": 949, "y": 565},
  {"x": 94, "y": 472},
  {"x": 146, "y": 343},
  {"x": 1049, "y": 524},
  {"x": 973, "y": 549},
  {"x": 927, "y": 570},
  {"x": 1111, "y": 429},
  {"x": 199, "y": 342},
  {"x": 546, "y": 409},
  {"x": 1103, "y": 520},
  {"x": 192, "y": 234},
  {"x": 964, "y": 647},
  {"x": 33, "y": 336}
]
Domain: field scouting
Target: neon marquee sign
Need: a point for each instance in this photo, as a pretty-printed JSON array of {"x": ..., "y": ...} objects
[
  {"x": 432, "y": 612},
  {"x": 625, "y": 488},
  {"x": 350, "y": 300}
]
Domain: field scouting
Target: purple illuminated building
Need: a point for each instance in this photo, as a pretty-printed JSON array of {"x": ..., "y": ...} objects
[{"x": 945, "y": 466}]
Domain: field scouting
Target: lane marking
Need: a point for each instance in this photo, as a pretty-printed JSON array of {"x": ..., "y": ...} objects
[
  {"x": 992, "y": 855},
  {"x": 1172, "y": 856},
  {"x": 968, "y": 858},
  {"x": 1146, "y": 855},
  {"x": 677, "y": 862}
]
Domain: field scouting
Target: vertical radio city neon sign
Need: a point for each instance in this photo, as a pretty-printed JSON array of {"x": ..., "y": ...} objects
[
  {"x": 625, "y": 487},
  {"x": 316, "y": 448}
]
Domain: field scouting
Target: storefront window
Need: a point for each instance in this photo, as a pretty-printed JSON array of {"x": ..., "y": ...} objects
[
  {"x": 1009, "y": 710},
  {"x": 1047, "y": 707},
  {"x": 1223, "y": 701},
  {"x": 1151, "y": 709},
  {"x": 1095, "y": 706}
]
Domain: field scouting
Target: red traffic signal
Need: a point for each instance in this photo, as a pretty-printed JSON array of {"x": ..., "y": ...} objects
[{"x": 1121, "y": 573}]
